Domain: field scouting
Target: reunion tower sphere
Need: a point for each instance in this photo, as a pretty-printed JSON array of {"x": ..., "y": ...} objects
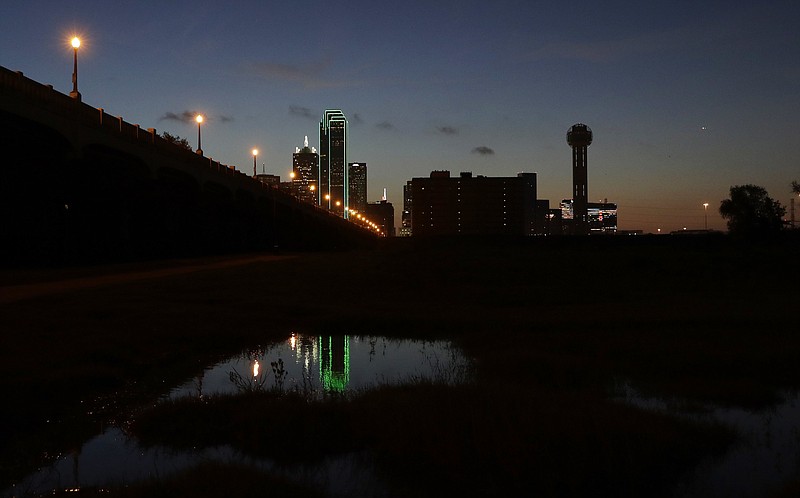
[{"x": 579, "y": 135}]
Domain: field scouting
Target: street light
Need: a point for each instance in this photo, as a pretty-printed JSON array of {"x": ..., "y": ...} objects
[
  {"x": 255, "y": 155},
  {"x": 199, "y": 120},
  {"x": 75, "y": 94},
  {"x": 705, "y": 209}
]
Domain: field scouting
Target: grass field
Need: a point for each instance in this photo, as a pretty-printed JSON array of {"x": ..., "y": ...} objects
[{"x": 550, "y": 325}]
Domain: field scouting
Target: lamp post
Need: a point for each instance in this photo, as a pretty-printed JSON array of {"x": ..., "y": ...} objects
[
  {"x": 199, "y": 120},
  {"x": 75, "y": 94},
  {"x": 705, "y": 210},
  {"x": 255, "y": 155}
]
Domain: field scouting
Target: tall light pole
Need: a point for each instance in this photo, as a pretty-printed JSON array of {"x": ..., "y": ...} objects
[
  {"x": 705, "y": 210},
  {"x": 75, "y": 94},
  {"x": 255, "y": 155},
  {"x": 199, "y": 120}
]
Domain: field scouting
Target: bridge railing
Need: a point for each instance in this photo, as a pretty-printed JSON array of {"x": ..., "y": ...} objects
[{"x": 47, "y": 98}]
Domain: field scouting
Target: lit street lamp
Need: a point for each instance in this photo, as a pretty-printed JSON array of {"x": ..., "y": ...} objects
[
  {"x": 199, "y": 120},
  {"x": 705, "y": 208},
  {"x": 255, "y": 155},
  {"x": 75, "y": 94}
]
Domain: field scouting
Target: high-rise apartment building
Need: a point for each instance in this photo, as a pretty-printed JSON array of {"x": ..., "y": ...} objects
[
  {"x": 357, "y": 186},
  {"x": 305, "y": 167},
  {"x": 333, "y": 176},
  {"x": 473, "y": 205}
]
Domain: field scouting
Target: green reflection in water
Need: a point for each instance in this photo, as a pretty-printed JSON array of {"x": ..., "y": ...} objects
[{"x": 334, "y": 362}]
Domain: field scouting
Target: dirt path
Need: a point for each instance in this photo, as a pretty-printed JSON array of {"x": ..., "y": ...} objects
[{"x": 13, "y": 293}]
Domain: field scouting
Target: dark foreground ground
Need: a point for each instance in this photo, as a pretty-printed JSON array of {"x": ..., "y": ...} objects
[{"x": 550, "y": 325}]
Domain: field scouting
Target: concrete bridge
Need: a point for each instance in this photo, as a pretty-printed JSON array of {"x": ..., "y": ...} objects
[{"x": 80, "y": 185}]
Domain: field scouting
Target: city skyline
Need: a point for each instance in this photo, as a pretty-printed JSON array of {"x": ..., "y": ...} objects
[{"x": 684, "y": 100}]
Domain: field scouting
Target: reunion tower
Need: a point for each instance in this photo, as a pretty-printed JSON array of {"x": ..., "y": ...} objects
[{"x": 579, "y": 137}]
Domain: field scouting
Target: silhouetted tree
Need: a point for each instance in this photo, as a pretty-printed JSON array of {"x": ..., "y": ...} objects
[
  {"x": 174, "y": 139},
  {"x": 751, "y": 212},
  {"x": 796, "y": 188}
]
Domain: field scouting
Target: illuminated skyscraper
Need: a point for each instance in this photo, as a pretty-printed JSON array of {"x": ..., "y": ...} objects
[
  {"x": 333, "y": 178},
  {"x": 305, "y": 166},
  {"x": 357, "y": 193}
]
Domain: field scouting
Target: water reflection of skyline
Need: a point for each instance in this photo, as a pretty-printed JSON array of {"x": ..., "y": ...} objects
[
  {"x": 316, "y": 365},
  {"x": 331, "y": 354}
]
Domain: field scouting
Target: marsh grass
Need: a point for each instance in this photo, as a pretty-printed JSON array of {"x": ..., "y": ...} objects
[
  {"x": 284, "y": 427},
  {"x": 428, "y": 438}
]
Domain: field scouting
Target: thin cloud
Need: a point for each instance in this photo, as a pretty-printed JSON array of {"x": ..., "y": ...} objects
[
  {"x": 483, "y": 150},
  {"x": 285, "y": 72},
  {"x": 183, "y": 117},
  {"x": 310, "y": 76},
  {"x": 611, "y": 50},
  {"x": 447, "y": 130},
  {"x": 187, "y": 117},
  {"x": 300, "y": 111},
  {"x": 356, "y": 119},
  {"x": 384, "y": 125}
]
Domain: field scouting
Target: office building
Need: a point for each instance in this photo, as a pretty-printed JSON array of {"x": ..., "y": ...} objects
[
  {"x": 305, "y": 168},
  {"x": 357, "y": 186},
  {"x": 382, "y": 214},
  {"x": 405, "y": 217},
  {"x": 332, "y": 191},
  {"x": 601, "y": 216}
]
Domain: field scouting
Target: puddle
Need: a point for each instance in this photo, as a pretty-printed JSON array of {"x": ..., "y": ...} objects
[
  {"x": 319, "y": 365},
  {"x": 314, "y": 365},
  {"x": 766, "y": 458}
]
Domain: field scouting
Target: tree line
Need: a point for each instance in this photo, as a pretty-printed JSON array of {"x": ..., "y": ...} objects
[{"x": 751, "y": 212}]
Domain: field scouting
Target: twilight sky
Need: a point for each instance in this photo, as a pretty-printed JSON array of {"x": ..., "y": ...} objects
[{"x": 684, "y": 98}]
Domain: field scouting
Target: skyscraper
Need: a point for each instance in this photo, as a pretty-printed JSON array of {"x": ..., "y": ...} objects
[
  {"x": 405, "y": 220},
  {"x": 333, "y": 178},
  {"x": 305, "y": 166},
  {"x": 382, "y": 213},
  {"x": 357, "y": 186}
]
